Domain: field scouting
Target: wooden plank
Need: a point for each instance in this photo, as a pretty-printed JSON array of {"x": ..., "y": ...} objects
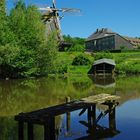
[
  {"x": 43, "y": 116},
  {"x": 99, "y": 99},
  {"x": 40, "y": 116}
]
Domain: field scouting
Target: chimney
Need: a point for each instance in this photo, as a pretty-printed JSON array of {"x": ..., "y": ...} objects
[{"x": 97, "y": 31}]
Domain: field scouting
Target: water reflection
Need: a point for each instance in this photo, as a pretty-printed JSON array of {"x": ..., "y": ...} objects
[
  {"x": 94, "y": 129},
  {"x": 103, "y": 81},
  {"x": 26, "y": 95}
]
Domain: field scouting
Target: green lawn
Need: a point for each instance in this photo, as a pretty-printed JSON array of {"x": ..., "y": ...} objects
[{"x": 128, "y": 62}]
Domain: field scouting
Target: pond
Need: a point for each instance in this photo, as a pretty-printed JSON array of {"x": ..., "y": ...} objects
[{"x": 18, "y": 96}]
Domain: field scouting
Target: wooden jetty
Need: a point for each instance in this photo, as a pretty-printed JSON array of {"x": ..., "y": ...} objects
[{"x": 46, "y": 116}]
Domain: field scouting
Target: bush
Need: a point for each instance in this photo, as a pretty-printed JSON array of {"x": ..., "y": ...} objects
[
  {"x": 77, "y": 48},
  {"x": 129, "y": 67},
  {"x": 81, "y": 60},
  {"x": 103, "y": 55}
]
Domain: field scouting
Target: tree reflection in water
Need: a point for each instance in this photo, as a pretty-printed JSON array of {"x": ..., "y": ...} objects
[{"x": 26, "y": 95}]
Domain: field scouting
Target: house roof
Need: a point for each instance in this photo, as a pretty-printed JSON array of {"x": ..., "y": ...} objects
[
  {"x": 134, "y": 41},
  {"x": 100, "y": 33},
  {"x": 105, "y": 32},
  {"x": 105, "y": 60}
]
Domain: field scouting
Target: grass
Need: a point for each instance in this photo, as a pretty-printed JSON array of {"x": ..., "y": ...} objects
[
  {"x": 127, "y": 62},
  {"x": 66, "y": 58},
  {"x": 78, "y": 69}
]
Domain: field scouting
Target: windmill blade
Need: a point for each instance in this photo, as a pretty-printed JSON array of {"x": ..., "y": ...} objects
[
  {"x": 54, "y": 3},
  {"x": 45, "y": 9},
  {"x": 71, "y": 10}
]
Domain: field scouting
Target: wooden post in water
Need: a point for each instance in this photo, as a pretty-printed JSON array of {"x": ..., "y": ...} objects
[
  {"x": 67, "y": 99},
  {"x": 68, "y": 115},
  {"x": 112, "y": 113},
  {"x": 46, "y": 132},
  {"x": 93, "y": 114},
  {"x": 49, "y": 129},
  {"x": 20, "y": 130},
  {"x": 89, "y": 115},
  {"x": 30, "y": 131},
  {"x": 52, "y": 127}
]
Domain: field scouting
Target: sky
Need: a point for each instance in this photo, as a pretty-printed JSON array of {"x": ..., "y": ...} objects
[{"x": 121, "y": 16}]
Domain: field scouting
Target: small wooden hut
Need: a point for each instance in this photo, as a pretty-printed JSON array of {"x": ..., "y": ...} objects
[{"x": 103, "y": 66}]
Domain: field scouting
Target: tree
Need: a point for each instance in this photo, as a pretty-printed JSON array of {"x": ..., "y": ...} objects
[
  {"x": 46, "y": 56},
  {"x": 37, "y": 52},
  {"x": 2, "y": 9},
  {"x": 24, "y": 48},
  {"x": 78, "y": 44},
  {"x": 2, "y": 20}
]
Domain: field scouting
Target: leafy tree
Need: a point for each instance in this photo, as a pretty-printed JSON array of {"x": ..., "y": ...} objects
[
  {"x": 25, "y": 49},
  {"x": 8, "y": 55},
  {"x": 46, "y": 56},
  {"x": 78, "y": 44},
  {"x": 2, "y": 10}
]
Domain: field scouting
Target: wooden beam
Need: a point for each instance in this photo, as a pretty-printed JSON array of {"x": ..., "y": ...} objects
[
  {"x": 21, "y": 130},
  {"x": 49, "y": 129},
  {"x": 30, "y": 131},
  {"x": 112, "y": 114}
]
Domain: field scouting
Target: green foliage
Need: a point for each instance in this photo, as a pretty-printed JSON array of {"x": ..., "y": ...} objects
[
  {"x": 123, "y": 47},
  {"x": 46, "y": 55},
  {"x": 81, "y": 60},
  {"x": 102, "y": 55},
  {"x": 8, "y": 54},
  {"x": 78, "y": 44},
  {"x": 6, "y": 35},
  {"x": 78, "y": 70},
  {"x": 2, "y": 9},
  {"x": 127, "y": 63},
  {"x": 132, "y": 67},
  {"x": 77, "y": 48},
  {"x": 25, "y": 51}
]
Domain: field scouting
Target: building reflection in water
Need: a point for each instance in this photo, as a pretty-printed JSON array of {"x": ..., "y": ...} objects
[{"x": 103, "y": 81}]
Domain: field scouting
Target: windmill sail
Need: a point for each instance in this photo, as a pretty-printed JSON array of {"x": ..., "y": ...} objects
[{"x": 52, "y": 17}]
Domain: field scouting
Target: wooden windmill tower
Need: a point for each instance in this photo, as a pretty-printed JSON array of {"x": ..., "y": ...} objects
[{"x": 51, "y": 17}]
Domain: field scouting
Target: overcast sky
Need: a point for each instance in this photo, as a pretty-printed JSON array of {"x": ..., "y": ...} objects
[{"x": 122, "y": 16}]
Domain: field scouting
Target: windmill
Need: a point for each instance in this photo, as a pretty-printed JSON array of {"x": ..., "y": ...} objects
[{"x": 51, "y": 17}]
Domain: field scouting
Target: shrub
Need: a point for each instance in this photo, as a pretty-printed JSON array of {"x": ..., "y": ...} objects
[
  {"x": 123, "y": 47},
  {"x": 81, "y": 60},
  {"x": 77, "y": 48},
  {"x": 103, "y": 55}
]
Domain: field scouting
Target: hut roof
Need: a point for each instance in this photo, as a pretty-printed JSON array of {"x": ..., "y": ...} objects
[{"x": 105, "y": 60}]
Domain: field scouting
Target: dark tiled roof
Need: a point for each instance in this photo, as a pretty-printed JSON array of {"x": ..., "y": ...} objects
[
  {"x": 100, "y": 33},
  {"x": 134, "y": 41}
]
